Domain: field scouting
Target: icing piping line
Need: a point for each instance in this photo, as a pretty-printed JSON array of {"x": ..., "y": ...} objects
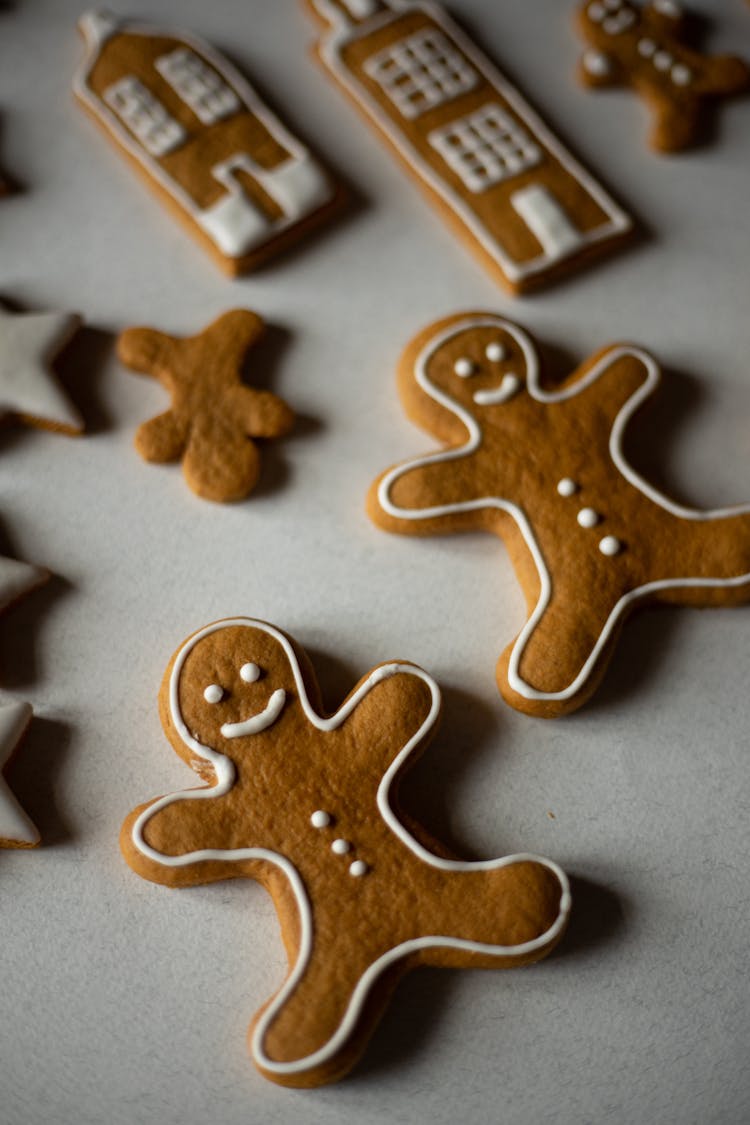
[
  {"x": 225, "y": 774},
  {"x": 339, "y": 36},
  {"x": 248, "y": 96},
  {"x": 516, "y": 681}
]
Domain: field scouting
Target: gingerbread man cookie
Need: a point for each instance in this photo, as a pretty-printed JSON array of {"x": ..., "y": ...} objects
[
  {"x": 306, "y": 804},
  {"x": 590, "y": 539},
  {"x": 214, "y": 415},
  {"x": 645, "y": 47}
]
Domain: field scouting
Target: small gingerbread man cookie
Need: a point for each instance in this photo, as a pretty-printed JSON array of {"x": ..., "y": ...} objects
[
  {"x": 306, "y": 804},
  {"x": 645, "y": 47},
  {"x": 590, "y": 539},
  {"x": 214, "y": 415}
]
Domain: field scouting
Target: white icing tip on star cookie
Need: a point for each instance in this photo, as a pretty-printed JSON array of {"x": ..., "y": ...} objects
[{"x": 97, "y": 27}]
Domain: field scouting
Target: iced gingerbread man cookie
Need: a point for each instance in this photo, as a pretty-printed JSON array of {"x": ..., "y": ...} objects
[
  {"x": 214, "y": 414},
  {"x": 647, "y": 47},
  {"x": 590, "y": 539},
  {"x": 306, "y": 803}
]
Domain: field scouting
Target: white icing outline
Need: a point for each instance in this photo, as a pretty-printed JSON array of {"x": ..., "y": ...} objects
[
  {"x": 260, "y": 722},
  {"x": 225, "y": 774},
  {"x": 341, "y": 33},
  {"x": 516, "y": 681},
  {"x": 207, "y": 219}
]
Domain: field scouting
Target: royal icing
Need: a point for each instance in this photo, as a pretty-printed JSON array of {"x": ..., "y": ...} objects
[
  {"x": 412, "y": 852},
  {"x": 221, "y": 106},
  {"x": 16, "y": 830},
  {"x": 254, "y": 724},
  {"x": 28, "y": 344},
  {"x": 610, "y": 545},
  {"x": 497, "y": 168}
]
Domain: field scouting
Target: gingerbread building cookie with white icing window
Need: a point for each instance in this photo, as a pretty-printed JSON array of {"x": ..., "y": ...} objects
[
  {"x": 648, "y": 47},
  {"x": 306, "y": 803},
  {"x": 494, "y": 170},
  {"x": 202, "y": 138},
  {"x": 590, "y": 539}
]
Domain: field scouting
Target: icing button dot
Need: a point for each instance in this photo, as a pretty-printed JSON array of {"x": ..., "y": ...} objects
[
  {"x": 663, "y": 60},
  {"x": 681, "y": 75},
  {"x": 320, "y": 819},
  {"x": 341, "y": 847},
  {"x": 358, "y": 868},
  {"x": 213, "y": 693},
  {"x": 596, "y": 63},
  {"x": 495, "y": 352},
  {"x": 464, "y": 368},
  {"x": 596, "y": 12},
  {"x": 249, "y": 673},
  {"x": 610, "y": 545},
  {"x": 587, "y": 517},
  {"x": 646, "y": 48},
  {"x": 567, "y": 487}
]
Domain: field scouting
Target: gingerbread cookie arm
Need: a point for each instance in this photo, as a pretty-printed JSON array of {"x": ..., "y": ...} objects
[
  {"x": 261, "y": 413},
  {"x": 145, "y": 350},
  {"x": 427, "y": 496}
]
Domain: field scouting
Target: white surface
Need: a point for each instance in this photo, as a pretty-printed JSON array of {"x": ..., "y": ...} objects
[{"x": 127, "y": 1003}]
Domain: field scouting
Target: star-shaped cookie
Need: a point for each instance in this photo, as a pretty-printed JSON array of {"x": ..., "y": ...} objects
[
  {"x": 307, "y": 804},
  {"x": 16, "y": 830},
  {"x": 28, "y": 344},
  {"x": 590, "y": 539},
  {"x": 214, "y": 414}
]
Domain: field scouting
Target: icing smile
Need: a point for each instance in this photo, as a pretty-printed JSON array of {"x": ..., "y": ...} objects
[{"x": 256, "y": 723}]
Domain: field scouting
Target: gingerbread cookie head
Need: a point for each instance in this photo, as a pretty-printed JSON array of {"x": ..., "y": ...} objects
[
  {"x": 306, "y": 803},
  {"x": 226, "y": 686},
  {"x": 471, "y": 361}
]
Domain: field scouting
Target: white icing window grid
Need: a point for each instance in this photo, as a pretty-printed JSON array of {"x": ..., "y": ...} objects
[
  {"x": 200, "y": 87},
  {"x": 421, "y": 72},
  {"x": 145, "y": 116},
  {"x": 485, "y": 148}
]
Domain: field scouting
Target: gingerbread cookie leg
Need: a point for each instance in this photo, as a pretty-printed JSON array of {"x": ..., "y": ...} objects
[{"x": 307, "y": 804}]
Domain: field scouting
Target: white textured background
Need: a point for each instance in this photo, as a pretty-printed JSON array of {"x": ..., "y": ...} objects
[{"x": 125, "y": 1003}]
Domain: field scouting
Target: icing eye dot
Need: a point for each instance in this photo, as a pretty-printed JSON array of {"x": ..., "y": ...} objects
[
  {"x": 464, "y": 367},
  {"x": 496, "y": 352},
  {"x": 213, "y": 693},
  {"x": 249, "y": 673}
]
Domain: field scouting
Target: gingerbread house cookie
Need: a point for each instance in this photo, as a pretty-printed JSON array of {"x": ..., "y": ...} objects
[
  {"x": 494, "y": 170},
  {"x": 192, "y": 126}
]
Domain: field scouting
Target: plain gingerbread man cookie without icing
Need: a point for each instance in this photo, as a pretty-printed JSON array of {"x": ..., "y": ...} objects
[
  {"x": 645, "y": 47},
  {"x": 306, "y": 804},
  {"x": 214, "y": 414},
  {"x": 589, "y": 538}
]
